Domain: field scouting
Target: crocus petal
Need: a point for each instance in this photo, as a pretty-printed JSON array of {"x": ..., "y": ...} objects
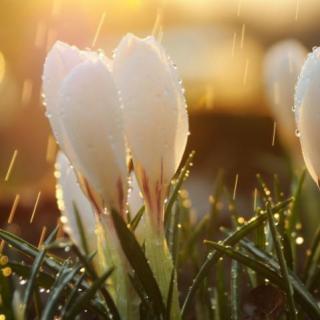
[
  {"x": 92, "y": 121},
  {"x": 61, "y": 59},
  {"x": 307, "y": 97},
  {"x": 155, "y": 115},
  {"x": 282, "y": 66},
  {"x": 70, "y": 196},
  {"x": 308, "y": 73}
]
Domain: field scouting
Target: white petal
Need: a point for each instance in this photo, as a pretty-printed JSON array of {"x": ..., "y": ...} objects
[
  {"x": 282, "y": 65},
  {"x": 92, "y": 121},
  {"x": 155, "y": 115},
  {"x": 60, "y": 60},
  {"x": 307, "y": 97},
  {"x": 69, "y": 194},
  {"x": 310, "y": 68}
]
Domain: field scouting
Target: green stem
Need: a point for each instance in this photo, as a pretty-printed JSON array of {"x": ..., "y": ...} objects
[
  {"x": 110, "y": 254},
  {"x": 159, "y": 257}
]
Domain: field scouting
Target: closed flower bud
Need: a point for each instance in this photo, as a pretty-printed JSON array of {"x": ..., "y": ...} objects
[
  {"x": 60, "y": 60},
  {"x": 307, "y": 110},
  {"x": 86, "y": 117},
  {"x": 282, "y": 65},
  {"x": 155, "y": 116},
  {"x": 73, "y": 204}
]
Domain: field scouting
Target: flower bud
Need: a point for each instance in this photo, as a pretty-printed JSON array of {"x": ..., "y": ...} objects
[
  {"x": 71, "y": 201},
  {"x": 86, "y": 118},
  {"x": 282, "y": 66},
  {"x": 61, "y": 59},
  {"x": 92, "y": 119},
  {"x": 155, "y": 116},
  {"x": 307, "y": 111}
]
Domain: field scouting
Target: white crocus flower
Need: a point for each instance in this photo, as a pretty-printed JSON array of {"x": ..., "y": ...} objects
[
  {"x": 70, "y": 198},
  {"x": 156, "y": 127},
  {"x": 282, "y": 66},
  {"x": 61, "y": 59},
  {"x": 155, "y": 116},
  {"x": 85, "y": 114},
  {"x": 307, "y": 110}
]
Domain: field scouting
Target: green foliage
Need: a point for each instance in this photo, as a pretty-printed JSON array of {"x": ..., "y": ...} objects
[{"x": 220, "y": 271}]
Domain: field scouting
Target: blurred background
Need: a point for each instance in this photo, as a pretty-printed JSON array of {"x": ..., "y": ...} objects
[{"x": 219, "y": 48}]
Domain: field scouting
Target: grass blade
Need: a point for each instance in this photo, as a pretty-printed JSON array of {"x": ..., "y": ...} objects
[
  {"x": 213, "y": 256},
  {"x": 303, "y": 296},
  {"x": 308, "y": 303},
  {"x": 29, "y": 250},
  {"x": 65, "y": 277},
  {"x": 283, "y": 264},
  {"x": 43, "y": 279},
  {"x": 92, "y": 273},
  {"x": 139, "y": 263},
  {"x": 312, "y": 259},
  {"x": 136, "y": 219},
  {"x": 174, "y": 194},
  {"x": 34, "y": 271},
  {"x": 170, "y": 295},
  {"x": 221, "y": 298},
  {"x": 84, "y": 298},
  {"x": 235, "y": 268}
]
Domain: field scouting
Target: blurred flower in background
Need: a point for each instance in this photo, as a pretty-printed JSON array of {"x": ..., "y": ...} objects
[
  {"x": 219, "y": 48},
  {"x": 282, "y": 66}
]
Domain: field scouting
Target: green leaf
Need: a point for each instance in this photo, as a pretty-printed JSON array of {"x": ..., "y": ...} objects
[
  {"x": 174, "y": 194},
  {"x": 287, "y": 251},
  {"x": 264, "y": 188},
  {"x": 293, "y": 218},
  {"x": 29, "y": 250},
  {"x": 34, "y": 272},
  {"x": 170, "y": 295},
  {"x": 83, "y": 300},
  {"x": 194, "y": 235},
  {"x": 235, "y": 269},
  {"x": 86, "y": 261},
  {"x": 73, "y": 294},
  {"x": 213, "y": 256},
  {"x": 173, "y": 232},
  {"x": 139, "y": 263},
  {"x": 136, "y": 219},
  {"x": 222, "y": 300},
  {"x": 146, "y": 309},
  {"x": 303, "y": 296},
  {"x": 312, "y": 259},
  {"x": 43, "y": 279},
  {"x": 283, "y": 264},
  {"x": 214, "y": 211},
  {"x": 65, "y": 276}
]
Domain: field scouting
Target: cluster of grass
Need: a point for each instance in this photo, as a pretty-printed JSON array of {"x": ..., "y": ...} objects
[{"x": 252, "y": 271}]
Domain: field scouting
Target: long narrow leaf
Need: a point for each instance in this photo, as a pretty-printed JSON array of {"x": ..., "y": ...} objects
[
  {"x": 139, "y": 263},
  {"x": 182, "y": 176},
  {"x": 303, "y": 295},
  {"x": 213, "y": 256},
  {"x": 84, "y": 299},
  {"x": 66, "y": 275},
  {"x": 34, "y": 271},
  {"x": 283, "y": 265},
  {"x": 235, "y": 268},
  {"x": 308, "y": 303}
]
